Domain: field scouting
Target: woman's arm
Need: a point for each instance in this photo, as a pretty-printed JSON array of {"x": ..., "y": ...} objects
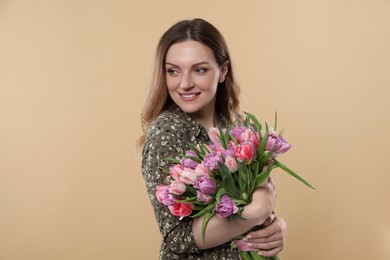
[{"x": 220, "y": 230}]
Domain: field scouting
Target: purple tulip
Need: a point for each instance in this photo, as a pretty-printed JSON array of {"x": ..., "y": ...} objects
[
  {"x": 226, "y": 207},
  {"x": 205, "y": 198},
  {"x": 163, "y": 196},
  {"x": 211, "y": 160},
  {"x": 236, "y": 132},
  {"x": 278, "y": 143},
  {"x": 189, "y": 163},
  {"x": 205, "y": 185}
]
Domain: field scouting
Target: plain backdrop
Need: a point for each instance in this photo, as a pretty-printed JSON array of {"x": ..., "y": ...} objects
[{"x": 74, "y": 76}]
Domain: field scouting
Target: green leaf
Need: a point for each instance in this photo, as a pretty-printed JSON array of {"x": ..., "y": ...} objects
[
  {"x": 228, "y": 180},
  {"x": 223, "y": 138},
  {"x": 164, "y": 170},
  {"x": 172, "y": 160},
  {"x": 262, "y": 177},
  {"x": 240, "y": 180},
  {"x": 209, "y": 208},
  {"x": 232, "y": 138},
  {"x": 255, "y": 121},
  {"x": 206, "y": 219},
  {"x": 247, "y": 122},
  {"x": 204, "y": 149},
  {"x": 192, "y": 148},
  {"x": 267, "y": 156},
  {"x": 240, "y": 202},
  {"x": 263, "y": 143},
  {"x": 289, "y": 171},
  {"x": 255, "y": 167},
  {"x": 243, "y": 180},
  {"x": 219, "y": 194},
  {"x": 196, "y": 159},
  {"x": 188, "y": 199},
  {"x": 276, "y": 121},
  {"x": 190, "y": 190}
]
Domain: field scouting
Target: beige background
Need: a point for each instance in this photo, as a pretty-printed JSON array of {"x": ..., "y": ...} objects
[{"x": 74, "y": 76}]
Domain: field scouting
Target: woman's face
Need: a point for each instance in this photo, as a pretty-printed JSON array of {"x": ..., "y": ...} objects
[{"x": 192, "y": 77}]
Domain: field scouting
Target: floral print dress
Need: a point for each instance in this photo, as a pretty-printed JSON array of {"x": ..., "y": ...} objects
[{"x": 167, "y": 136}]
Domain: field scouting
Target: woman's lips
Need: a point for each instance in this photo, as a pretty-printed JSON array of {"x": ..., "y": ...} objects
[{"x": 189, "y": 96}]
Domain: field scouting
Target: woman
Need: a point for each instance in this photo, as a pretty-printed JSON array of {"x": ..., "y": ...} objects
[{"x": 194, "y": 89}]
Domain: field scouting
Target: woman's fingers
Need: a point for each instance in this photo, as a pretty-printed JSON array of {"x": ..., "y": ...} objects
[
  {"x": 269, "y": 241},
  {"x": 271, "y": 252}
]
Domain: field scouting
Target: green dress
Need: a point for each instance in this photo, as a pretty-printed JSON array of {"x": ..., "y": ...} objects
[{"x": 167, "y": 136}]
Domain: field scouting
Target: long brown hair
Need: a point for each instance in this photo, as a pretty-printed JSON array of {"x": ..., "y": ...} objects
[{"x": 227, "y": 100}]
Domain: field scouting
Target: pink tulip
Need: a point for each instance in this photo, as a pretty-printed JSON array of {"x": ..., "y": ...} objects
[
  {"x": 181, "y": 209},
  {"x": 177, "y": 187},
  {"x": 250, "y": 136},
  {"x": 231, "y": 163},
  {"x": 245, "y": 152},
  {"x": 188, "y": 176},
  {"x": 200, "y": 170},
  {"x": 213, "y": 135},
  {"x": 243, "y": 245},
  {"x": 176, "y": 171}
]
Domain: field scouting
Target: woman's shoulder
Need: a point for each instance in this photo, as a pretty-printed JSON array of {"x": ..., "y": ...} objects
[
  {"x": 168, "y": 131},
  {"x": 170, "y": 119},
  {"x": 170, "y": 122}
]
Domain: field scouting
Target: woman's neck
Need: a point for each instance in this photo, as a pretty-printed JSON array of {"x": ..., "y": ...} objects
[{"x": 207, "y": 121}]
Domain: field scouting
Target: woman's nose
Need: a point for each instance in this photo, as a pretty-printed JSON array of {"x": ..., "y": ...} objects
[{"x": 186, "y": 82}]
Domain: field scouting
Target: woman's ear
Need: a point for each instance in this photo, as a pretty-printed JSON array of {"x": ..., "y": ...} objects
[{"x": 224, "y": 71}]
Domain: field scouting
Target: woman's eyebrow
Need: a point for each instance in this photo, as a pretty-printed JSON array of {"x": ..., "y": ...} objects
[{"x": 193, "y": 65}]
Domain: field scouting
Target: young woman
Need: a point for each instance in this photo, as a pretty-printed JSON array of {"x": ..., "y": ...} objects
[{"x": 194, "y": 89}]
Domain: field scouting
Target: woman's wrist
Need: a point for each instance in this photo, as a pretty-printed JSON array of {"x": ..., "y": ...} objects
[{"x": 256, "y": 213}]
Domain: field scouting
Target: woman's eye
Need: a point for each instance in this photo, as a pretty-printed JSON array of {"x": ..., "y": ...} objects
[
  {"x": 201, "y": 70},
  {"x": 172, "y": 72}
]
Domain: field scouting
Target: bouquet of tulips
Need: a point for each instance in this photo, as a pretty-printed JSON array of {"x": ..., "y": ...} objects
[{"x": 219, "y": 178}]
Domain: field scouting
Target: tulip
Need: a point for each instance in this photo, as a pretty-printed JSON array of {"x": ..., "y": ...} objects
[
  {"x": 226, "y": 207},
  {"x": 163, "y": 196},
  {"x": 177, "y": 187},
  {"x": 231, "y": 163},
  {"x": 189, "y": 163},
  {"x": 205, "y": 185},
  {"x": 188, "y": 176},
  {"x": 181, "y": 209},
  {"x": 245, "y": 152},
  {"x": 211, "y": 160}
]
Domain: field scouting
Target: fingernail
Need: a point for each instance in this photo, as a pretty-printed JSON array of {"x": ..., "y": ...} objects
[
  {"x": 248, "y": 236},
  {"x": 245, "y": 239}
]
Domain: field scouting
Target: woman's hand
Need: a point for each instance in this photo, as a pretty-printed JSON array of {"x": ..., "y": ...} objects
[
  {"x": 268, "y": 241},
  {"x": 263, "y": 203}
]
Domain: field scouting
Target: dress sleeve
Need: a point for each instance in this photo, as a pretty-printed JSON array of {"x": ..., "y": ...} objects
[{"x": 166, "y": 138}]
